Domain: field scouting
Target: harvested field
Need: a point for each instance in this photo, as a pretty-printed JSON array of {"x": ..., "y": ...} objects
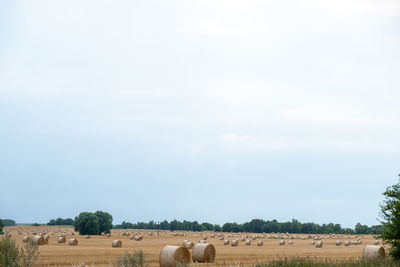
[{"x": 98, "y": 250}]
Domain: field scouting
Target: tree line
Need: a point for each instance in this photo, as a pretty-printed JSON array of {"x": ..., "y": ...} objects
[{"x": 254, "y": 226}]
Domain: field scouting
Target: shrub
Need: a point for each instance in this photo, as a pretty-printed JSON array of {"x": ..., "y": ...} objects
[
  {"x": 136, "y": 259},
  {"x": 9, "y": 253}
]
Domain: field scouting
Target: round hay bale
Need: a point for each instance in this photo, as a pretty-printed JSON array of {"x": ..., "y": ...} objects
[
  {"x": 373, "y": 252},
  {"x": 312, "y": 243},
  {"x": 46, "y": 239},
  {"x": 338, "y": 242},
  {"x": 204, "y": 237},
  {"x": 73, "y": 242},
  {"x": 139, "y": 238},
  {"x": 188, "y": 244},
  {"x": 108, "y": 235},
  {"x": 39, "y": 240},
  {"x": 248, "y": 242},
  {"x": 117, "y": 244},
  {"x": 346, "y": 243},
  {"x": 376, "y": 242},
  {"x": 171, "y": 255},
  {"x": 87, "y": 236},
  {"x": 290, "y": 242},
  {"x": 319, "y": 244},
  {"x": 281, "y": 242},
  {"x": 235, "y": 243},
  {"x": 260, "y": 243},
  {"x": 359, "y": 242},
  {"x": 26, "y": 239},
  {"x": 203, "y": 253},
  {"x": 221, "y": 238},
  {"x": 61, "y": 239},
  {"x": 226, "y": 242}
]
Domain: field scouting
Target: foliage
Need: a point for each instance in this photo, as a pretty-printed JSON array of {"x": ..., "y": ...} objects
[
  {"x": 1, "y": 226},
  {"x": 254, "y": 226},
  {"x": 60, "y": 221},
  {"x": 9, "y": 253},
  {"x": 390, "y": 214},
  {"x": 105, "y": 221},
  {"x": 12, "y": 256},
  {"x": 29, "y": 253},
  {"x": 87, "y": 223},
  {"x": 8, "y": 222},
  {"x": 136, "y": 259}
]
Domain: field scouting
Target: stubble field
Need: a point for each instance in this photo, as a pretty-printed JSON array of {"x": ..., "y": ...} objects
[{"x": 98, "y": 250}]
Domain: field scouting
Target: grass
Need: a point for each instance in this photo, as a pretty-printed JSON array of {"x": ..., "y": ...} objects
[{"x": 301, "y": 262}]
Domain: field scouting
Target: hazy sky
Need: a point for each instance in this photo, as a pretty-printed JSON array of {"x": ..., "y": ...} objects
[{"x": 208, "y": 110}]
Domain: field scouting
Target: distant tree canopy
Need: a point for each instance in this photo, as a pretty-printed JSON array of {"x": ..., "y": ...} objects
[
  {"x": 1, "y": 226},
  {"x": 60, "y": 221},
  {"x": 8, "y": 222},
  {"x": 88, "y": 223},
  {"x": 254, "y": 226}
]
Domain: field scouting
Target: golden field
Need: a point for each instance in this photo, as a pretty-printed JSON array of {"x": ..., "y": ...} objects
[{"x": 98, "y": 250}]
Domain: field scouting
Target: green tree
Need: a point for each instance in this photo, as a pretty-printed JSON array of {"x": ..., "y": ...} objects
[
  {"x": 1, "y": 226},
  {"x": 390, "y": 214},
  {"x": 8, "y": 222},
  {"x": 105, "y": 221},
  {"x": 87, "y": 223}
]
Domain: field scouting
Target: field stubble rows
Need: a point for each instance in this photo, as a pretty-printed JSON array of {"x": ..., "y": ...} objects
[{"x": 98, "y": 250}]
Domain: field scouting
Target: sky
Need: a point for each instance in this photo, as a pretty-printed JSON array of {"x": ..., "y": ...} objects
[{"x": 208, "y": 110}]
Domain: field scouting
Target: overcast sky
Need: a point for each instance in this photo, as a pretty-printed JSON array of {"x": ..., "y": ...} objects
[{"x": 207, "y": 110}]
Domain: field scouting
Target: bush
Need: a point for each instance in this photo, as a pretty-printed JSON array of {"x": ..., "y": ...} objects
[
  {"x": 87, "y": 223},
  {"x": 136, "y": 259},
  {"x": 12, "y": 256}
]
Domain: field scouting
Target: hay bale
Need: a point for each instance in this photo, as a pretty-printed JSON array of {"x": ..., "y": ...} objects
[
  {"x": 290, "y": 242},
  {"x": 188, "y": 244},
  {"x": 87, "y": 236},
  {"x": 221, "y": 238},
  {"x": 26, "y": 239},
  {"x": 359, "y": 242},
  {"x": 282, "y": 242},
  {"x": 170, "y": 256},
  {"x": 260, "y": 243},
  {"x": 108, "y": 235},
  {"x": 376, "y": 242},
  {"x": 204, "y": 237},
  {"x": 338, "y": 242},
  {"x": 139, "y": 238},
  {"x": 117, "y": 244},
  {"x": 203, "y": 253},
  {"x": 46, "y": 239},
  {"x": 319, "y": 244},
  {"x": 39, "y": 240},
  {"x": 226, "y": 242},
  {"x": 235, "y": 243},
  {"x": 346, "y": 243},
  {"x": 248, "y": 242},
  {"x": 61, "y": 239},
  {"x": 73, "y": 242},
  {"x": 373, "y": 252},
  {"x": 312, "y": 243}
]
